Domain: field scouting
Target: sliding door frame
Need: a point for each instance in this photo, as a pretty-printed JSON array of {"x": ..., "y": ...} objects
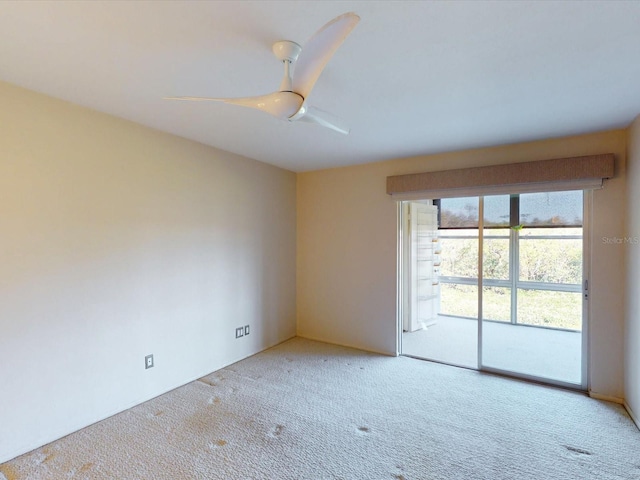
[
  {"x": 401, "y": 272},
  {"x": 402, "y": 307},
  {"x": 587, "y": 202}
]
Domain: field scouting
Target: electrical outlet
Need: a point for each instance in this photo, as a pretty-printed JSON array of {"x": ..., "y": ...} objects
[
  {"x": 148, "y": 361},
  {"x": 246, "y": 329},
  {"x": 239, "y": 332}
]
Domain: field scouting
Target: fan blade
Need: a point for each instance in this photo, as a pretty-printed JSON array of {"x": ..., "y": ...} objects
[
  {"x": 326, "y": 119},
  {"x": 281, "y": 105},
  {"x": 317, "y": 52}
]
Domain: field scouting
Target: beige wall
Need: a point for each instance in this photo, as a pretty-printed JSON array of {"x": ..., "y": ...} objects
[
  {"x": 632, "y": 330},
  {"x": 346, "y": 284},
  {"x": 117, "y": 241}
]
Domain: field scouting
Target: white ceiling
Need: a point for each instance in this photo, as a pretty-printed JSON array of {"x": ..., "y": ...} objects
[{"x": 413, "y": 78}]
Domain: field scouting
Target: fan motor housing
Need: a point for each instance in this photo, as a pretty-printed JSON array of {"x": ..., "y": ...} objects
[{"x": 286, "y": 50}]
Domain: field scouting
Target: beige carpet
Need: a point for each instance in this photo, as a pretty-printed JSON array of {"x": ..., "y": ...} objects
[{"x": 308, "y": 410}]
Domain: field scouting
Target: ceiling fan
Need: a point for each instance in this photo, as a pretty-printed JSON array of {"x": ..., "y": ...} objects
[{"x": 290, "y": 101}]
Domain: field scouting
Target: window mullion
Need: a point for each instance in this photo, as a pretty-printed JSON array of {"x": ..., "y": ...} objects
[{"x": 514, "y": 254}]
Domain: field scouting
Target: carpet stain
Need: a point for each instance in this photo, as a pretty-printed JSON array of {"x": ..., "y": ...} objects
[
  {"x": 276, "y": 431},
  {"x": 206, "y": 381},
  {"x": 86, "y": 467},
  {"x": 8, "y": 473},
  {"x": 579, "y": 451},
  {"x": 214, "y": 401},
  {"x": 158, "y": 413},
  {"x": 217, "y": 444},
  {"x": 212, "y": 382},
  {"x": 364, "y": 429},
  {"x": 400, "y": 476},
  {"x": 40, "y": 456},
  {"x": 48, "y": 455}
]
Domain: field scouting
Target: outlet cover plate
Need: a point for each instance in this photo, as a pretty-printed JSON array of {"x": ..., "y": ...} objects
[{"x": 148, "y": 361}]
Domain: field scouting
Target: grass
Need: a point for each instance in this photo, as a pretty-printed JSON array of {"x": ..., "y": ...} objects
[{"x": 535, "y": 307}]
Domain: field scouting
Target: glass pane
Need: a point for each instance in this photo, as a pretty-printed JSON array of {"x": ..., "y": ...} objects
[
  {"x": 554, "y": 260},
  {"x": 540, "y": 352},
  {"x": 496, "y": 232},
  {"x": 551, "y": 232},
  {"x": 495, "y": 260},
  {"x": 459, "y": 212},
  {"x": 496, "y": 304},
  {"x": 550, "y": 209},
  {"x": 526, "y": 348},
  {"x": 461, "y": 232},
  {"x": 549, "y": 242},
  {"x": 459, "y": 257},
  {"x": 496, "y": 211},
  {"x": 550, "y": 309},
  {"x": 459, "y": 300}
]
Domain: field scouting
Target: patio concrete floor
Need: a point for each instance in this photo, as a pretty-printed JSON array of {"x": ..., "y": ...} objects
[{"x": 540, "y": 352}]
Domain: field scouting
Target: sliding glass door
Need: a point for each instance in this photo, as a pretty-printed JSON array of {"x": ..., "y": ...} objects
[
  {"x": 532, "y": 285},
  {"x": 510, "y": 282}
]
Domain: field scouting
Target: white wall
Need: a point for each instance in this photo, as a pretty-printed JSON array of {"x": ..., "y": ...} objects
[
  {"x": 632, "y": 330},
  {"x": 117, "y": 241},
  {"x": 346, "y": 284}
]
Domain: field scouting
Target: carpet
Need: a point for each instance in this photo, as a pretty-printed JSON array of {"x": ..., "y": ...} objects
[{"x": 309, "y": 410}]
